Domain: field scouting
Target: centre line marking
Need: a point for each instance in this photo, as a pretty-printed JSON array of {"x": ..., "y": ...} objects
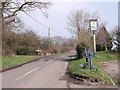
[
  {"x": 27, "y": 73},
  {"x": 48, "y": 62}
]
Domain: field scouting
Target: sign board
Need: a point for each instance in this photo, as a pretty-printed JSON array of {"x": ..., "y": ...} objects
[{"x": 93, "y": 24}]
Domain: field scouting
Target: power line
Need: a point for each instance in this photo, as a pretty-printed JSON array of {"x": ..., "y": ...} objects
[
  {"x": 43, "y": 24},
  {"x": 40, "y": 31},
  {"x": 36, "y": 20}
]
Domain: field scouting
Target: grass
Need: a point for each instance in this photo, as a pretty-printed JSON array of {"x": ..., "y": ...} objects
[
  {"x": 16, "y": 60},
  {"x": 6, "y": 62},
  {"x": 76, "y": 69},
  {"x": 105, "y": 56}
]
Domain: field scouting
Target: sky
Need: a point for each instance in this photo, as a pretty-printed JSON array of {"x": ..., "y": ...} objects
[{"x": 59, "y": 11}]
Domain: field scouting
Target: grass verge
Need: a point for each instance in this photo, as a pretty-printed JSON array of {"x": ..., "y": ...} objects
[
  {"x": 16, "y": 60},
  {"x": 104, "y": 56},
  {"x": 97, "y": 72}
]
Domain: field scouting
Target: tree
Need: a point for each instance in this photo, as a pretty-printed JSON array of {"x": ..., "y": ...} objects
[
  {"x": 10, "y": 9},
  {"x": 78, "y": 24},
  {"x": 58, "y": 40},
  {"x": 103, "y": 38},
  {"x": 12, "y": 24},
  {"x": 115, "y": 35}
]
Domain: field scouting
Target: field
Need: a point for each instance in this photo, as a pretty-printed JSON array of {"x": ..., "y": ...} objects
[{"x": 97, "y": 72}]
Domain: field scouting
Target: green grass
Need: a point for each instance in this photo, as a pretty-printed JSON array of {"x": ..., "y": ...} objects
[
  {"x": 105, "y": 56},
  {"x": 16, "y": 60},
  {"x": 75, "y": 69}
]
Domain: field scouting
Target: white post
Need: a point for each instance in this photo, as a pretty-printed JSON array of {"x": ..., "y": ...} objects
[
  {"x": 94, "y": 42},
  {"x": 94, "y": 27}
]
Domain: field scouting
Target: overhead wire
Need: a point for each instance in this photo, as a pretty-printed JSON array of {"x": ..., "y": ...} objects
[
  {"x": 44, "y": 24},
  {"x": 35, "y": 29}
]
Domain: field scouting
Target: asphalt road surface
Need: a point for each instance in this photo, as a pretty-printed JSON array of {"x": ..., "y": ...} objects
[
  {"x": 48, "y": 72},
  {"x": 44, "y": 73}
]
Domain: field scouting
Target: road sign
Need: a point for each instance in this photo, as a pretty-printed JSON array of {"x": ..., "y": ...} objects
[{"x": 93, "y": 24}]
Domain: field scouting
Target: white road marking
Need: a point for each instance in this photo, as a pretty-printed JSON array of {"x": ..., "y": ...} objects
[
  {"x": 48, "y": 62},
  {"x": 112, "y": 80},
  {"x": 27, "y": 73},
  {"x": 66, "y": 65}
]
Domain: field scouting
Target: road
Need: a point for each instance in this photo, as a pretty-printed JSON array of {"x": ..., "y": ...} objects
[
  {"x": 44, "y": 73},
  {"x": 48, "y": 72}
]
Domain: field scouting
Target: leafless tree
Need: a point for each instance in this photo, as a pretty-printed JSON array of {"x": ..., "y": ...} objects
[
  {"x": 11, "y": 8},
  {"x": 78, "y": 24},
  {"x": 12, "y": 24},
  {"x": 58, "y": 40},
  {"x": 115, "y": 35}
]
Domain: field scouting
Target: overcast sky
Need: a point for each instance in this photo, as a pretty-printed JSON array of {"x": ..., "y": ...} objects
[{"x": 58, "y": 12}]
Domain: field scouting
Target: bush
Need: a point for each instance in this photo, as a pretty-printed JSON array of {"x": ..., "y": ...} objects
[
  {"x": 23, "y": 51},
  {"x": 79, "y": 50},
  {"x": 98, "y": 47},
  {"x": 54, "y": 51},
  {"x": 103, "y": 48},
  {"x": 109, "y": 47}
]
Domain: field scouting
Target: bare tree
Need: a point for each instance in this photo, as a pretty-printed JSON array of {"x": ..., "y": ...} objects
[
  {"x": 12, "y": 24},
  {"x": 115, "y": 35},
  {"x": 10, "y": 9},
  {"x": 78, "y": 22},
  {"x": 58, "y": 40}
]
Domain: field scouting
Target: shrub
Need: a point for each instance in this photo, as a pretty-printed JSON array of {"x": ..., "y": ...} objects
[
  {"x": 23, "y": 51},
  {"x": 54, "y": 51},
  {"x": 103, "y": 48},
  {"x": 98, "y": 47},
  {"x": 79, "y": 50},
  {"x": 109, "y": 47}
]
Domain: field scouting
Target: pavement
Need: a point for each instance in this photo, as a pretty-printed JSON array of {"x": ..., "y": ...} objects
[{"x": 111, "y": 67}]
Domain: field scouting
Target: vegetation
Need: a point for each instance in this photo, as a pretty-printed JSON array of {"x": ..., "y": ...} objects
[
  {"x": 105, "y": 56},
  {"x": 16, "y": 60},
  {"x": 13, "y": 31},
  {"x": 97, "y": 72},
  {"x": 115, "y": 35},
  {"x": 79, "y": 50},
  {"x": 105, "y": 41},
  {"x": 78, "y": 24},
  {"x": 25, "y": 51},
  {"x": 27, "y": 42},
  {"x": 16, "y": 39}
]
